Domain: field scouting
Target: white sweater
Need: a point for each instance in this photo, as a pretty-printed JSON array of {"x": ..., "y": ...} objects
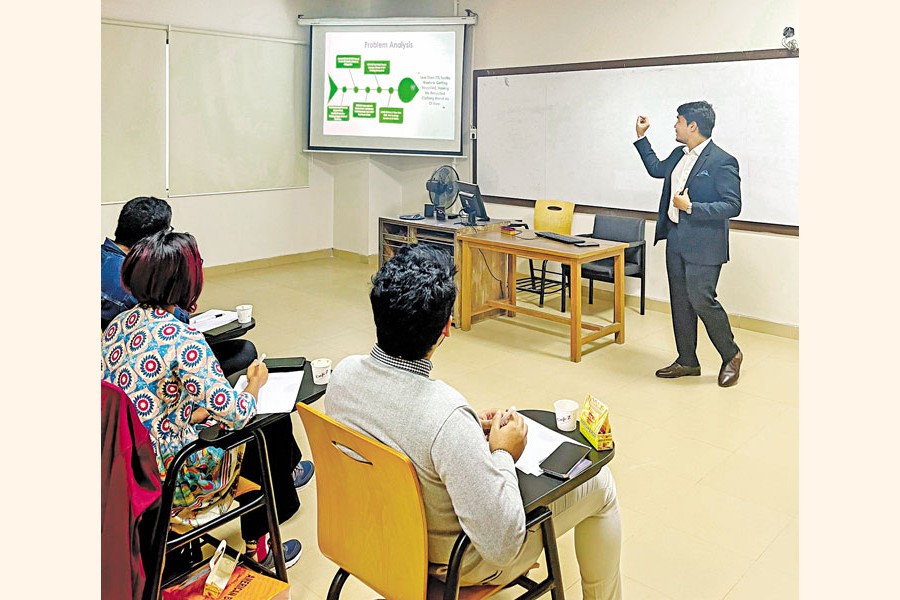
[{"x": 464, "y": 486}]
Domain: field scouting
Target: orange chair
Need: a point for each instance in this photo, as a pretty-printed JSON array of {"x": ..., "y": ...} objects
[
  {"x": 371, "y": 520},
  {"x": 554, "y": 216}
]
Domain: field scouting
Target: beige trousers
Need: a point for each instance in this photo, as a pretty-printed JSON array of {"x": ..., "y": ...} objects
[{"x": 593, "y": 510}]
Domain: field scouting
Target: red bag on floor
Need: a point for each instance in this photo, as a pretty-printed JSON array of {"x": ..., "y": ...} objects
[{"x": 244, "y": 584}]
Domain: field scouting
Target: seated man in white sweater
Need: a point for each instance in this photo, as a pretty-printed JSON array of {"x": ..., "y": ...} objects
[{"x": 465, "y": 461}]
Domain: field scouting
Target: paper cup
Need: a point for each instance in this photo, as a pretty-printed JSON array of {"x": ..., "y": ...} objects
[
  {"x": 244, "y": 311},
  {"x": 321, "y": 370},
  {"x": 566, "y": 414}
]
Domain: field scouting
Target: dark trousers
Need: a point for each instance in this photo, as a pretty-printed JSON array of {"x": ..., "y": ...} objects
[
  {"x": 234, "y": 355},
  {"x": 284, "y": 454},
  {"x": 692, "y": 293}
]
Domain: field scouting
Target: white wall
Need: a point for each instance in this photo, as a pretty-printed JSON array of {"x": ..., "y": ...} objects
[
  {"x": 762, "y": 278},
  {"x": 348, "y": 193},
  {"x": 247, "y": 226}
]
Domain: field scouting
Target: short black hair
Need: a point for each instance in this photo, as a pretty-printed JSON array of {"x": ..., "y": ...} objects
[
  {"x": 140, "y": 217},
  {"x": 412, "y": 298},
  {"x": 701, "y": 113}
]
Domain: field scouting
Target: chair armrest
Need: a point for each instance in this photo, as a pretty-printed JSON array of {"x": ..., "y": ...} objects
[{"x": 636, "y": 244}]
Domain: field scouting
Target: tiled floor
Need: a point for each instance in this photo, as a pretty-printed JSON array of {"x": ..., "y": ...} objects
[{"x": 707, "y": 477}]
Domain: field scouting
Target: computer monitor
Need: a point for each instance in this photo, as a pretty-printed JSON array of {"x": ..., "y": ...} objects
[{"x": 472, "y": 204}]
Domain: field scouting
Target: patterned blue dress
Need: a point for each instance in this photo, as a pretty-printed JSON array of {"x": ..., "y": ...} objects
[{"x": 167, "y": 369}]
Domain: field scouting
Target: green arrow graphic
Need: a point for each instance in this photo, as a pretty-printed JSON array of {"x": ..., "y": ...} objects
[{"x": 334, "y": 88}]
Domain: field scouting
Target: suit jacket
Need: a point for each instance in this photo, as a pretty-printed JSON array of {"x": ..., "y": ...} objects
[{"x": 714, "y": 186}]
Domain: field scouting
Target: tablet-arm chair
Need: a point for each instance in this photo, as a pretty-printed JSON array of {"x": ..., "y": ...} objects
[
  {"x": 165, "y": 539},
  {"x": 371, "y": 520}
]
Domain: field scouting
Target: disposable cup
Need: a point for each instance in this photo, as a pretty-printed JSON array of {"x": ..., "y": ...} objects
[
  {"x": 321, "y": 370},
  {"x": 566, "y": 414},
  {"x": 245, "y": 312}
]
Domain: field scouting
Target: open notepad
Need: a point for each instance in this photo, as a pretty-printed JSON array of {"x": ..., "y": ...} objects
[
  {"x": 542, "y": 441},
  {"x": 278, "y": 395}
]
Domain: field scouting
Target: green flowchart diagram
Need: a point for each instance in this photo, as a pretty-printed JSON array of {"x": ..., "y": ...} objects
[{"x": 406, "y": 90}]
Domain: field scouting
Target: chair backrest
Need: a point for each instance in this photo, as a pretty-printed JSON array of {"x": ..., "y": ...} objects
[
  {"x": 554, "y": 215},
  {"x": 371, "y": 519},
  {"x": 620, "y": 229},
  {"x": 130, "y": 489}
]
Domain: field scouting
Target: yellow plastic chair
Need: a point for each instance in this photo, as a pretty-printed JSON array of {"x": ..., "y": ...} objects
[
  {"x": 371, "y": 519},
  {"x": 554, "y": 216}
]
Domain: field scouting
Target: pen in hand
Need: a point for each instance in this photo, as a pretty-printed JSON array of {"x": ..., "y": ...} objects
[
  {"x": 262, "y": 358},
  {"x": 506, "y": 414}
]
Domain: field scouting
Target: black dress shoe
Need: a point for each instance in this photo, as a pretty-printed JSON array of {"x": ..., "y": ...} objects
[
  {"x": 731, "y": 371},
  {"x": 675, "y": 370}
]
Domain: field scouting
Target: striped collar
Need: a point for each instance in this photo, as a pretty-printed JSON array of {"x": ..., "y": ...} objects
[{"x": 419, "y": 367}]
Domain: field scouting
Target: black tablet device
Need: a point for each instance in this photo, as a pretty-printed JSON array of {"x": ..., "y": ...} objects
[
  {"x": 563, "y": 460},
  {"x": 280, "y": 365}
]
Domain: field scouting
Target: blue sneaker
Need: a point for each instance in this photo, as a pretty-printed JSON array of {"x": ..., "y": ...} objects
[
  {"x": 291, "y": 549},
  {"x": 303, "y": 472}
]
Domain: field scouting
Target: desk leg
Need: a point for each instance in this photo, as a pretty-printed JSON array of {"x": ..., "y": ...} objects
[
  {"x": 511, "y": 282},
  {"x": 619, "y": 291},
  {"x": 575, "y": 314},
  {"x": 465, "y": 291}
]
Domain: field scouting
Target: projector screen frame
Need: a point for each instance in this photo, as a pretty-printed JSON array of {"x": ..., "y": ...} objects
[{"x": 317, "y": 140}]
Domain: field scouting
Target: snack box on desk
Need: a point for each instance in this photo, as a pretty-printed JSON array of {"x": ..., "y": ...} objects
[
  {"x": 509, "y": 230},
  {"x": 593, "y": 423}
]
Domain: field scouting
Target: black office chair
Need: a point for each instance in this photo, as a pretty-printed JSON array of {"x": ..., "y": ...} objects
[
  {"x": 164, "y": 542},
  {"x": 618, "y": 229}
]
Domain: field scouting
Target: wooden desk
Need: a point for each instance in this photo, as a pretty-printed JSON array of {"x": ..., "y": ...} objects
[
  {"x": 394, "y": 233},
  {"x": 544, "y": 249},
  {"x": 541, "y": 490}
]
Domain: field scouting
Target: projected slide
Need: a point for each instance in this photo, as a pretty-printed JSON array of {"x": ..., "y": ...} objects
[{"x": 390, "y": 84}]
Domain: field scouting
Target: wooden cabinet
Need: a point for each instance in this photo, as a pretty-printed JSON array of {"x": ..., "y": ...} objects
[{"x": 488, "y": 268}]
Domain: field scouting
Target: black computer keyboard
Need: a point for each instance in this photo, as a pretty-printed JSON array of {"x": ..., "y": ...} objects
[{"x": 566, "y": 239}]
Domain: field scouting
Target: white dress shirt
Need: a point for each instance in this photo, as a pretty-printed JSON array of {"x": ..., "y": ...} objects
[{"x": 680, "y": 175}]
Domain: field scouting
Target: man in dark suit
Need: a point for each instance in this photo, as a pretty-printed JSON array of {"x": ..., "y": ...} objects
[{"x": 701, "y": 191}]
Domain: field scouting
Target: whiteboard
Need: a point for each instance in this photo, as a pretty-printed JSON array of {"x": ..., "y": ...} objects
[{"x": 569, "y": 135}]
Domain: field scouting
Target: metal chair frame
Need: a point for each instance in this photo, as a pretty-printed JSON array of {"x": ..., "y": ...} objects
[{"x": 163, "y": 540}]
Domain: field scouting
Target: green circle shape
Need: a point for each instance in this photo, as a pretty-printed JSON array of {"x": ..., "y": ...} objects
[{"x": 407, "y": 89}]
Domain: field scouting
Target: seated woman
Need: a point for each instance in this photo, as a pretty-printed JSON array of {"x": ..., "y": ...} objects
[{"x": 174, "y": 381}]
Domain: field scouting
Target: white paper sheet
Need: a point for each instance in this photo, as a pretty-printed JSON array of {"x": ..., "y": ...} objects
[
  {"x": 215, "y": 317},
  {"x": 541, "y": 442},
  {"x": 278, "y": 395}
]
